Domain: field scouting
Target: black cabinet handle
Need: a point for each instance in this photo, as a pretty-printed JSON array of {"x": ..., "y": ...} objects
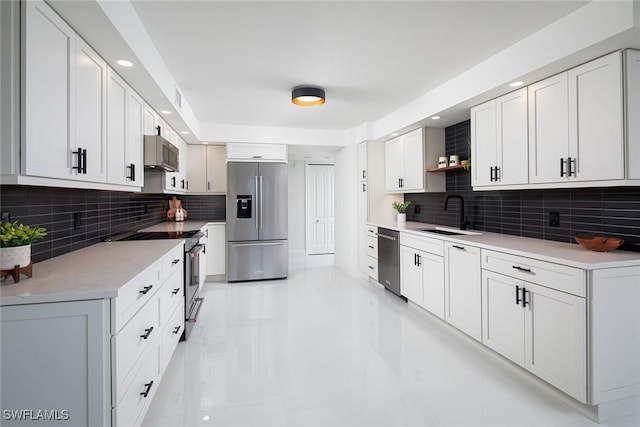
[
  {"x": 208, "y": 186},
  {"x": 458, "y": 247},
  {"x": 147, "y": 332},
  {"x": 364, "y": 187},
  {"x": 176, "y": 329},
  {"x": 418, "y": 259},
  {"x": 562, "y": 172},
  {"x": 84, "y": 161},
  {"x": 175, "y": 261},
  {"x": 364, "y": 174},
  {"x": 173, "y": 181},
  {"x": 159, "y": 130},
  {"x": 517, "y": 267},
  {"x": 415, "y": 259},
  {"x": 497, "y": 169},
  {"x": 132, "y": 172},
  {"x": 187, "y": 185},
  {"x": 147, "y": 386},
  {"x": 175, "y": 291},
  {"x": 78, "y": 153},
  {"x": 146, "y": 289},
  {"x": 491, "y": 174},
  {"x": 518, "y": 300},
  {"x": 182, "y": 183},
  {"x": 524, "y": 297},
  {"x": 570, "y": 164},
  {"x": 204, "y": 249}
]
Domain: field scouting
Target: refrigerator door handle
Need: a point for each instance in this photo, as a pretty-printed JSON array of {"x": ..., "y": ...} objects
[
  {"x": 255, "y": 181},
  {"x": 260, "y": 202},
  {"x": 243, "y": 245}
]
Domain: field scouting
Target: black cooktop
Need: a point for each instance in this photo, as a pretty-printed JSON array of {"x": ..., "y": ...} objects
[{"x": 152, "y": 235}]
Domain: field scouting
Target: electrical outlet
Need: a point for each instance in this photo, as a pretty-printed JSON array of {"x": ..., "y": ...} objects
[
  {"x": 416, "y": 209},
  {"x": 554, "y": 219},
  {"x": 6, "y": 216}
]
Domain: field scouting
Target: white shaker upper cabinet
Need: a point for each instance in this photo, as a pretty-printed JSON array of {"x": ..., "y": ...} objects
[
  {"x": 116, "y": 128},
  {"x": 633, "y": 112},
  {"x": 596, "y": 136}
]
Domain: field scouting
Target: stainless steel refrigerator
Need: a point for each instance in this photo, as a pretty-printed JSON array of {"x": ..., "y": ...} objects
[{"x": 257, "y": 221}]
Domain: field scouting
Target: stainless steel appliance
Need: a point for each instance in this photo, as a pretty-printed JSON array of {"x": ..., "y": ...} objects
[
  {"x": 160, "y": 153},
  {"x": 389, "y": 260},
  {"x": 192, "y": 251},
  {"x": 257, "y": 223}
]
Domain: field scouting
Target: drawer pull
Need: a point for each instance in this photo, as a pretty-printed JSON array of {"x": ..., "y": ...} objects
[
  {"x": 371, "y": 267},
  {"x": 147, "y": 389},
  {"x": 176, "y": 329},
  {"x": 147, "y": 332},
  {"x": 371, "y": 246},
  {"x": 175, "y": 291},
  {"x": 459, "y": 247},
  {"x": 146, "y": 289},
  {"x": 517, "y": 267},
  {"x": 175, "y": 261}
]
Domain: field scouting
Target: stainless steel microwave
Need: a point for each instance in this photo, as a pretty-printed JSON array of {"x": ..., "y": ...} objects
[{"x": 160, "y": 154}]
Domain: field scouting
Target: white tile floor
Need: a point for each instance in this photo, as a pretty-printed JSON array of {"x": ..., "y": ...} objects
[{"x": 324, "y": 349}]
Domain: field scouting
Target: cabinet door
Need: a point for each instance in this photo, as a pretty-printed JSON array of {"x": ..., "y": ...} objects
[
  {"x": 184, "y": 166},
  {"x": 463, "y": 289},
  {"x": 363, "y": 214},
  {"x": 433, "y": 283},
  {"x": 596, "y": 136},
  {"x": 483, "y": 143},
  {"x": 394, "y": 163},
  {"x": 116, "y": 129},
  {"x": 216, "y": 249},
  {"x": 548, "y": 128},
  {"x": 90, "y": 111},
  {"x": 503, "y": 315},
  {"x": 633, "y": 113},
  {"x": 362, "y": 161},
  {"x": 149, "y": 121},
  {"x": 556, "y": 333},
  {"x": 512, "y": 157},
  {"x": 410, "y": 274},
  {"x": 56, "y": 356},
  {"x": 134, "y": 146},
  {"x": 414, "y": 170},
  {"x": 217, "y": 169},
  {"x": 197, "y": 170},
  {"x": 48, "y": 72}
]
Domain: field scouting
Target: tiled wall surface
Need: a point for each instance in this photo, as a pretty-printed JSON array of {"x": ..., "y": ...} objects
[
  {"x": 599, "y": 211},
  {"x": 102, "y": 214}
]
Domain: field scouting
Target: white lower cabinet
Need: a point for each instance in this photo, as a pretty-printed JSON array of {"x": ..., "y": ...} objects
[
  {"x": 463, "y": 290},
  {"x": 540, "y": 328},
  {"x": 371, "y": 252},
  {"x": 216, "y": 257}
]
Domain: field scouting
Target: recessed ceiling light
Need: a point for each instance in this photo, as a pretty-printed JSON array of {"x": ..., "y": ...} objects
[
  {"x": 394, "y": 134},
  {"x": 515, "y": 84},
  {"x": 435, "y": 118},
  {"x": 166, "y": 112},
  {"x": 124, "y": 63},
  {"x": 206, "y": 418},
  {"x": 184, "y": 132}
]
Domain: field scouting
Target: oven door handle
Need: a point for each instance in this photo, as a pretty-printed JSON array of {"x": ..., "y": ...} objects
[
  {"x": 196, "y": 250},
  {"x": 193, "y": 319}
]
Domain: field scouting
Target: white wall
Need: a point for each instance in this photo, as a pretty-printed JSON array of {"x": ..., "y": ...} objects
[
  {"x": 346, "y": 190},
  {"x": 297, "y": 210}
]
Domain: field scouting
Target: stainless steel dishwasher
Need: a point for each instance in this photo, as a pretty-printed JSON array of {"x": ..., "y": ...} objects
[{"x": 389, "y": 260}]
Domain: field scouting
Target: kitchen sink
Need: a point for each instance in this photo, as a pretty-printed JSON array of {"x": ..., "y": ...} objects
[{"x": 450, "y": 232}]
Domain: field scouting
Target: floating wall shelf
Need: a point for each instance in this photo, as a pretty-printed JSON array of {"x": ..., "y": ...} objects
[{"x": 447, "y": 169}]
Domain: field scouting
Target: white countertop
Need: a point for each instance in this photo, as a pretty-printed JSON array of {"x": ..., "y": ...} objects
[
  {"x": 545, "y": 250},
  {"x": 173, "y": 226},
  {"x": 95, "y": 272}
]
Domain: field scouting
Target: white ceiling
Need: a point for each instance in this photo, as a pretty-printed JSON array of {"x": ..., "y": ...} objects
[{"x": 237, "y": 61}]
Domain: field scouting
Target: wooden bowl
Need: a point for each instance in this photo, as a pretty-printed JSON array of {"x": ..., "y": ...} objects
[{"x": 599, "y": 243}]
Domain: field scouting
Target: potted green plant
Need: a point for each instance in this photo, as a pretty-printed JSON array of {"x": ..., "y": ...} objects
[
  {"x": 402, "y": 210},
  {"x": 15, "y": 243}
]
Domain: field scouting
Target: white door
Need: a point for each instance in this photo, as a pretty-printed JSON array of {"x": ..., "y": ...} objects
[
  {"x": 483, "y": 143},
  {"x": 320, "y": 209},
  {"x": 362, "y": 161},
  {"x": 413, "y": 177},
  {"x": 393, "y": 163},
  {"x": 411, "y": 274},
  {"x": 217, "y": 169},
  {"x": 197, "y": 170},
  {"x": 463, "y": 292},
  {"x": 116, "y": 129},
  {"x": 512, "y": 156},
  {"x": 135, "y": 165},
  {"x": 432, "y": 283}
]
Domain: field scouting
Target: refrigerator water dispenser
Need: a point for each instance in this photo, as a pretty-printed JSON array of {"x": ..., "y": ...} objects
[{"x": 243, "y": 207}]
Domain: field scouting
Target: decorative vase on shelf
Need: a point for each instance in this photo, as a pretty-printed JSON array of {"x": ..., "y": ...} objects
[
  {"x": 15, "y": 255},
  {"x": 402, "y": 217}
]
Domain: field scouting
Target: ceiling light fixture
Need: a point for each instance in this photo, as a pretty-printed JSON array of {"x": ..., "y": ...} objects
[
  {"x": 515, "y": 84},
  {"x": 435, "y": 118},
  {"x": 124, "y": 63},
  {"x": 184, "y": 132},
  {"x": 395, "y": 134},
  {"x": 307, "y": 96},
  {"x": 166, "y": 112}
]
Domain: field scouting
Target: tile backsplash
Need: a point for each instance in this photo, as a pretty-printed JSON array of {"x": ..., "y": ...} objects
[
  {"x": 101, "y": 214},
  {"x": 611, "y": 211}
]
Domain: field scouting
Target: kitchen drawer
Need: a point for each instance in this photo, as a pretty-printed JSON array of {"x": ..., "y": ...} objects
[
  {"x": 171, "y": 334},
  {"x": 425, "y": 244},
  {"x": 134, "y": 404},
  {"x": 170, "y": 293},
  {"x": 372, "y": 267},
  {"x": 372, "y": 247},
  {"x": 171, "y": 262},
  {"x": 129, "y": 345},
  {"x": 560, "y": 277},
  {"x": 372, "y": 231},
  {"x": 133, "y": 295}
]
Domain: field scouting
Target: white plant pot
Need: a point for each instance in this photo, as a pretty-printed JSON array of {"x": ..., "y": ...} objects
[
  {"x": 402, "y": 217},
  {"x": 16, "y": 255}
]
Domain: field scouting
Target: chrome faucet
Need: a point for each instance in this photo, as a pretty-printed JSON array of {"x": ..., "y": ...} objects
[{"x": 463, "y": 220}]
